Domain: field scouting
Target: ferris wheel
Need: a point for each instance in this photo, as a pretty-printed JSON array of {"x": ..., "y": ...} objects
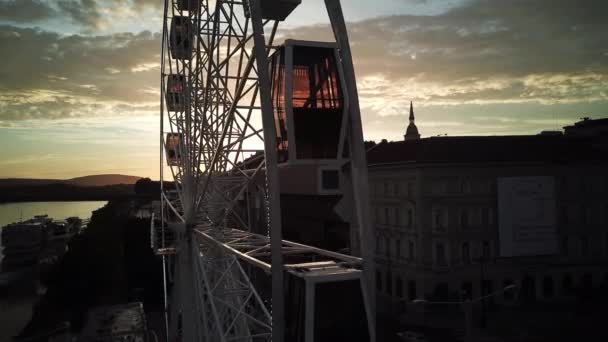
[{"x": 245, "y": 120}]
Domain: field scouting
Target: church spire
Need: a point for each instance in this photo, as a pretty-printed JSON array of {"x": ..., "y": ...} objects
[
  {"x": 412, "y": 131},
  {"x": 412, "y": 112}
]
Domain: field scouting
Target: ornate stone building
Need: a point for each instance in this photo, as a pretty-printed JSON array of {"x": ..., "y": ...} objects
[{"x": 443, "y": 234}]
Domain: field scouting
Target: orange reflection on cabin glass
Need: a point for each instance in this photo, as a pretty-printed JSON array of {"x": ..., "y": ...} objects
[
  {"x": 315, "y": 83},
  {"x": 317, "y": 102},
  {"x": 278, "y": 104},
  {"x": 173, "y": 148}
]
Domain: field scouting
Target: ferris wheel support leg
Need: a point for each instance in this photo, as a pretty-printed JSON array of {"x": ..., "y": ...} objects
[
  {"x": 189, "y": 312},
  {"x": 272, "y": 177},
  {"x": 358, "y": 162}
]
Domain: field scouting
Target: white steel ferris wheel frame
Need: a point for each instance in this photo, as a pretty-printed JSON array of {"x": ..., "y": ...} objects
[{"x": 228, "y": 92}]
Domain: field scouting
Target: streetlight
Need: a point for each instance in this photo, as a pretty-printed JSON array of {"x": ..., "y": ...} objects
[{"x": 467, "y": 308}]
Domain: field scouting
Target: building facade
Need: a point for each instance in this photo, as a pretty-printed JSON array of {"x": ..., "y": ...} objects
[{"x": 440, "y": 229}]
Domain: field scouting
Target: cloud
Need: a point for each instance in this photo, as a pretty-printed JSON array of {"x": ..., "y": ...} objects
[
  {"x": 86, "y": 15},
  {"x": 480, "y": 52},
  {"x": 546, "y": 50},
  {"x": 46, "y": 73},
  {"x": 25, "y": 10},
  {"x": 84, "y": 12}
]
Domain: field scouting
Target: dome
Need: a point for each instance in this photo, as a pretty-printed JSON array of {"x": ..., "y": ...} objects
[{"x": 412, "y": 130}]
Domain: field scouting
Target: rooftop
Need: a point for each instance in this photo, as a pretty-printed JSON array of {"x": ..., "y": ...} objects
[
  {"x": 478, "y": 149},
  {"x": 106, "y": 323}
]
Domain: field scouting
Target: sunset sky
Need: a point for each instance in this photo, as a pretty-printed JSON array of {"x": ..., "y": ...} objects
[{"x": 79, "y": 79}]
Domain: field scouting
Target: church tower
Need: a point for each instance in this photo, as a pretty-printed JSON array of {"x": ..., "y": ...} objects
[{"x": 412, "y": 131}]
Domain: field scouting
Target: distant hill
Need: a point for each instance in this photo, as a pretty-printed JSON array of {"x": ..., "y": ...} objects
[
  {"x": 103, "y": 180},
  {"x": 86, "y": 181}
]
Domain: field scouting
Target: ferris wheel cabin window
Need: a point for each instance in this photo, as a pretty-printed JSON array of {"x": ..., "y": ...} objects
[
  {"x": 317, "y": 102},
  {"x": 175, "y": 94},
  {"x": 181, "y": 37},
  {"x": 173, "y": 148}
]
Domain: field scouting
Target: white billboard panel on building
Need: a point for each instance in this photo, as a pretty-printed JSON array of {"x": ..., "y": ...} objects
[{"x": 526, "y": 216}]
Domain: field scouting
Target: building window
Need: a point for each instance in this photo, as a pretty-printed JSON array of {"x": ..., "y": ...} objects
[
  {"x": 396, "y": 191},
  {"x": 464, "y": 219},
  {"x": 485, "y": 250},
  {"x": 548, "y": 287},
  {"x": 410, "y": 218},
  {"x": 387, "y": 246},
  {"x": 466, "y": 253},
  {"x": 396, "y": 218},
  {"x": 467, "y": 290},
  {"x": 565, "y": 246},
  {"x": 508, "y": 295},
  {"x": 398, "y": 248},
  {"x": 386, "y": 216},
  {"x": 398, "y": 287},
  {"x": 411, "y": 289},
  {"x": 567, "y": 285},
  {"x": 389, "y": 283},
  {"x": 440, "y": 254},
  {"x": 584, "y": 246},
  {"x": 386, "y": 189},
  {"x": 377, "y": 244},
  {"x": 441, "y": 292},
  {"x": 411, "y": 250},
  {"x": 439, "y": 219},
  {"x": 465, "y": 187},
  {"x": 378, "y": 281},
  {"x": 410, "y": 189}
]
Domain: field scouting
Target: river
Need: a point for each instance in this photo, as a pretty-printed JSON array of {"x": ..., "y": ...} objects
[
  {"x": 15, "y": 212},
  {"x": 15, "y": 312}
]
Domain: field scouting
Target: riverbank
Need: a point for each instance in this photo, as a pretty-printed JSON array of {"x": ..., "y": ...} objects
[{"x": 109, "y": 263}]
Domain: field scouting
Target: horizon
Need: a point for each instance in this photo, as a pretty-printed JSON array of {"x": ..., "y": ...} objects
[{"x": 80, "y": 83}]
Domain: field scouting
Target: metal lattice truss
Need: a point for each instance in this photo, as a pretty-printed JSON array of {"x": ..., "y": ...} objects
[
  {"x": 214, "y": 61},
  {"x": 211, "y": 127},
  {"x": 230, "y": 308},
  {"x": 255, "y": 249},
  {"x": 217, "y": 125}
]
